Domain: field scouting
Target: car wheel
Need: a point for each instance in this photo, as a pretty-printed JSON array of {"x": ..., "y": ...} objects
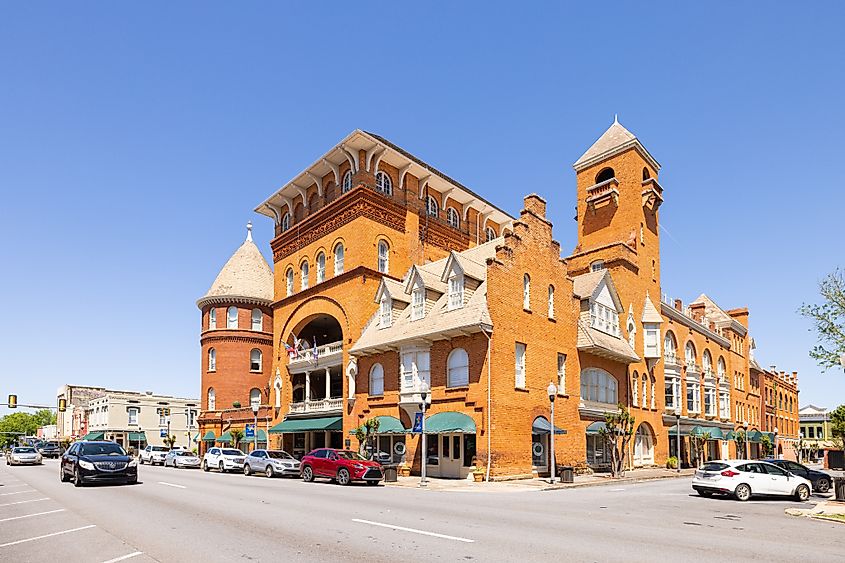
[
  {"x": 342, "y": 476},
  {"x": 77, "y": 478},
  {"x": 269, "y": 472},
  {"x": 221, "y": 468},
  {"x": 140, "y": 461},
  {"x": 204, "y": 465},
  {"x": 62, "y": 475},
  {"x": 823, "y": 485},
  {"x": 742, "y": 492},
  {"x": 247, "y": 469},
  {"x": 802, "y": 493},
  {"x": 307, "y": 475}
]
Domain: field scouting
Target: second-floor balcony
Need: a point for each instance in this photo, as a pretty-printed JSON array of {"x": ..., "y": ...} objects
[
  {"x": 317, "y": 406},
  {"x": 671, "y": 359},
  {"x": 326, "y": 354},
  {"x": 693, "y": 367}
]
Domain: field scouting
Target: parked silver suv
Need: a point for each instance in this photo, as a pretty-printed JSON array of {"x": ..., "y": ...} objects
[
  {"x": 153, "y": 455},
  {"x": 271, "y": 463}
]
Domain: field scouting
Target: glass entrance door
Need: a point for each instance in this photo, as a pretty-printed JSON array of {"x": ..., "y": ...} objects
[{"x": 539, "y": 452}]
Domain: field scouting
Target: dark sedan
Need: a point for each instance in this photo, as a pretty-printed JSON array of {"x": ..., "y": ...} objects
[
  {"x": 49, "y": 449},
  {"x": 821, "y": 481},
  {"x": 98, "y": 462}
]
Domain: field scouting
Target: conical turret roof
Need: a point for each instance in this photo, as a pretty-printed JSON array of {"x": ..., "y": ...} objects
[
  {"x": 246, "y": 276},
  {"x": 613, "y": 141}
]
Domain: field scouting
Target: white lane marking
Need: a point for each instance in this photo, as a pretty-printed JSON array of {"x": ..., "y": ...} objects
[
  {"x": 616, "y": 490},
  {"x": 413, "y": 530},
  {"x": 172, "y": 485},
  {"x": 18, "y": 493},
  {"x": 48, "y": 535},
  {"x": 127, "y": 556},
  {"x": 25, "y": 501},
  {"x": 13, "y": 486},
  {"x": 31, "y": 515}
]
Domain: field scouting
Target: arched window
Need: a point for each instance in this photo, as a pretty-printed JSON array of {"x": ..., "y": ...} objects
[
  {"x": 598, "y": 386},
  {"x": 346, "y": 184},
  {"x": 551, "y": 301},
  {"x": 646, "y": 174},
  {"x": 210, "y": 400},
  {"x": 255, "y": 360},
  {"x": 670, "y": 347},
  {"x": 489, "y": 234},
  {"x": 285, "y": 222},
  {"x": 431, "y": 206},
  {"x": 385, "y": 311},
  {"x": 338, "y": 259},
  {"x": 254, "y": 398},
  {"x": 526, "y": 292},
  {"x": 303, "y": 275},
  {"x": 384, "y": 184},
  {"x": 212, "y": 359},
  {"x": 212, "y": 318},
  {"x": 597, "y": 265},
  {"x": 457, "y": 368},
  {"x": 707, "y": 361},
  {"x": 383, "y": 257},
  {"x": 635, "y": 394},
  {"x": 232, "y": 317},
  {"x": 453, "y": 218},
  {"x": 256, "y": 319},
  {"x": 377, "y": 380},
  {"x": 645, "y": 391},
  {"x": 605, "y": 175},
  {"x": 689, "y": 355},
  {"x": 321, "y": 267},
  {"x": 278, "y": 388},
  {"x": 721, "y": 368},
  {"x": 289, "y": 282}
]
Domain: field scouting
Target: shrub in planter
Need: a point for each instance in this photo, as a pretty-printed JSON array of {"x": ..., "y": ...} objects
[{"x": 672, "y": 463}]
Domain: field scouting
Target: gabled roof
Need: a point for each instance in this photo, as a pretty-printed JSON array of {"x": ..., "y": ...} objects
[
  {"x": 395, "y": 289},
  {"x": 246, "y": 275},
  {"x": 614, "y": 141},
  {"x": 718, "y": 315},
  {"x": 430, "y": 279},
  {"x": 466, "y": 266},
  {"x": 587, "y": 286},
  {"x": 650, "y": 312}
]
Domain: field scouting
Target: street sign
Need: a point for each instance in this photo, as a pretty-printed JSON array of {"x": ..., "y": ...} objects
[
  {"x": 163, "y": 433},
  {"x": 417, "y": 423},
  {"x": 249, "y": 431}
]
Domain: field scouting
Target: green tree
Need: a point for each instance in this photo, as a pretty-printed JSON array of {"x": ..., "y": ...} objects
[
  {"x": 237, "y": 436},
  {"x": 837, "y": 426},
  {"x": 23, "y": 423},
  {"x": 698, "y": 443},
  {"x": 169, "y": 441},
  {"x": 617, "y": 432},
  {"x": 828, "y": 318},
  {"x": 740, "y": 438}
]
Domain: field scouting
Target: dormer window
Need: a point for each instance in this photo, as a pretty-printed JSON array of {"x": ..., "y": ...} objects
[
  {"x": 385, "y": 311},
  {"x": 456, "y": 291},
  {"x": 604, "y": 318},
  {"x": 417, "y": 302}
]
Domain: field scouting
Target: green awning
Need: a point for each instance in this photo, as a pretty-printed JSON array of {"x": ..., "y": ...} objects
[
  {"x": 715, "y": 433},
  {"x": 261, "y": 435},
  {"x": 541, "y": 425},
  {"x": 731, "y": 435},
  {"x": 308, "y": 424},
  {"x": 225, "y": 438},
  {"x": 209, "y": 436},
  {"x": 596, "y": 427},
  {"x": 390, "y": 425},
  {"x": 137, "y": 436},
  {"x": 94, "y": 436},
  {"x": 754, "y": 436},
  {"x": 450, "y": 421},
  {"x": 673, "y": 431}
]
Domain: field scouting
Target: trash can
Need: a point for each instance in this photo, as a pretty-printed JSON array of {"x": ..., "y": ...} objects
[
  {"x": 390, "y": 473},
  {"x": 567, "y": 474},
  {"x": 839, "y": 488}
]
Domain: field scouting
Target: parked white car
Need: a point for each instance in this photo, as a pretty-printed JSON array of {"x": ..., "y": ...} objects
[
  {"x": 743, "y": 478},
  {"x": 23, "y": 455},
  {"x": 153, "y": 455},
  {"x": 271, "y": 463},
  {"x": 181, "y": 458},
  {"x": 223, "y": 459}
]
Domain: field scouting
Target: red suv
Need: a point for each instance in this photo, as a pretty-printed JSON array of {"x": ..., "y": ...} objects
[{"x": 344, "y": 466}]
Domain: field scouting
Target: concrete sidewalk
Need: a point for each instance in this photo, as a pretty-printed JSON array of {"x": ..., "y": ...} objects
[{"x": 596, "y": 479}]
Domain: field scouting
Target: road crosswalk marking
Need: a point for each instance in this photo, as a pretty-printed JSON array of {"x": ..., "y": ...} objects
[
  {"x": 413, "y": 530},
  {"x": 25, "y": 501},
  {"x": 47, "y": 535},
  {"x": 31, "y": 515}
]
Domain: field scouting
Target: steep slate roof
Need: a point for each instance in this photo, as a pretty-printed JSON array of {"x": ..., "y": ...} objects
[
  {"x": 718, "y": 315},
  {"x": 585, "y": 286},
  {"x": 246, "y": 275},
  {"x": 650, "y": 312},
  {"x": 395, "y": 289},
  {"x": 613, "y": 141}
]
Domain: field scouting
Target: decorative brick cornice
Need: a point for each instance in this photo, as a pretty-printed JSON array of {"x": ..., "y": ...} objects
[
  {"x": 442, "y": 235},
  {"x": 360, "y": 202},
  {"x": 320, "y": 288},
  {"x": 218, "y": 335}
]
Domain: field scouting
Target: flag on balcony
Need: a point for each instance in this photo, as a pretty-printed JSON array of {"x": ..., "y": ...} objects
[
  {"x": 314, "y": 354},
  {"x": 291, "y": 351}
]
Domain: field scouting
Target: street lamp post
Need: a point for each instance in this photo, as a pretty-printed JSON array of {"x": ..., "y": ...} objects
[
  {"x": 552, "y": 391},
  {"x": 423, "y": 396},
  {"x": 745, "y": 442},
  {"x": 678, "y": 438},
  {"x": 255, "y": 408},
  {"x": 775, "y": 444}
]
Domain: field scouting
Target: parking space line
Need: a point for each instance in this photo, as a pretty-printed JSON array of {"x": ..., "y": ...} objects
[
  {"x": 124, "y": 557},
  {"x": 31, "y": 515},
  {"x": 172, "y": 485},
  {"x": 25, "y": 501},
  {"x": 18, "y": 493},
  {"x": 48, "y": 535},
  {"x": 13, "y": 486},
  {"x": 413, "y": 530}
]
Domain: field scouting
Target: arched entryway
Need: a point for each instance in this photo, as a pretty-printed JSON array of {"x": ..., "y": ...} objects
[{"x": 644, "y": 445}]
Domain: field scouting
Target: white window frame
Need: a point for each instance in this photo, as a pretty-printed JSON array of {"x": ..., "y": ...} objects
[
  {"x": 604, "y": 318},
  {"x": 526, "y": 292},
  {"x": 132, "y": 416},
  {"x": 489, "y": 234},
  {"x": 289, "y": 282},
  {"x": 321, "y": 266},
  {"x": 211, "y": 399},
  {"x": 339, "y": 255},
  {"x": 257, "y": 321},
  {"x": 385, "y": 311},
  {"x": 672, "y": 384},
  {"x": 285, "y": 222},
  {"x": 693, "y": 397},
  {"x": 651, "y": 340},
  {"x": 457, "y": 368},
  {"x": 710, "y": 401},
  {"x": 304, "y": 269},
  {"x": 212, "y": 318},
  {"x": 431, "y": 206},
  {"x": 417, "y": 302},
  {"x": 599, "y": 386},
  {"x": 232, "y": 322},
  {"x": 597, "y": 266},
  {"x": 346, "y": 182},
  {"x": 260, "y": 360},
  {"x": 376, "y": 384},
  {"x": 453, "y": 217},
  {"x": 561, "y": 373},
  {"x": 652, "y": 402},
  {"x": 212, "y": 359},
  {"x": 456, "y": 291},
  {"x": 635, "y": 391},
  {"x": 254, "y": 397},
  {"x": 415, "y": 367},
  {"x": 383, "y": 257},
  {"x": 384, "y": 183},
  {"x": 551, "y": 312},
  {"x": 277, "y": 387},
  {"x": 520, "y": 351}
]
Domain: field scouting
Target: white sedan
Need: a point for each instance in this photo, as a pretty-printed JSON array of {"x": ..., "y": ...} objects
[
  {"x": 744, "y": 478},
  {"x": 23, "y": 455}
]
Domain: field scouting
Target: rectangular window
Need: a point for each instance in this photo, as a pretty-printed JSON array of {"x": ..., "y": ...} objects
[
  {"x": 469, "y": 449},
  {"x": 133, "y": 416},
  {"x": 415, "y": 370},
  {"x": 192, "y": 418},
  {"x": 456, "y": 292},
  {"x": 418, "y": 305},
  {"x": 604, "y": 318},
  {"x": 652, "y": 342},
  {"x": 670, "y": 397},
  {"x": 162, "y": 417},
  {"x": 520, "y": 366},
  {"x": 693, "y": 397},
  {"x": 561, "y": 374}
]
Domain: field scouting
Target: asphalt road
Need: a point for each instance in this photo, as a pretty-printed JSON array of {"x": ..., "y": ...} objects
[{"x": 184, "y": 515}]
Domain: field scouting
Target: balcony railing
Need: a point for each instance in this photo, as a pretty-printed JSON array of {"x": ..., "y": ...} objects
[
  {"x": 671, "y": 359},
  {"x": 301, "y": 357},
  {"x": 317, "y": 405},
  {"x": 693, "y": 367}
]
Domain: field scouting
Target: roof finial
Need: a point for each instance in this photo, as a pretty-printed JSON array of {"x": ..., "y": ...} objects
[
  {"x": 249, "y": 231},
  {"x": 616, "y": 118}
]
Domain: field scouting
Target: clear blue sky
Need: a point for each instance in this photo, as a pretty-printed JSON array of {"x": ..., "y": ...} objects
[{"x": 135, "y": 140}]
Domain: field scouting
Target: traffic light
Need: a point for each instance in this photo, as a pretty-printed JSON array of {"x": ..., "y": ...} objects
[
  {"x": 13, "y": 401},
  {"x": 62, "y": 405}
]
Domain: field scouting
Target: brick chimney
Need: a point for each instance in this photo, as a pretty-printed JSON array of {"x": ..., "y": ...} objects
[
  {"x": 535, "y": 204},
  {"x": 679, "y": 305}
]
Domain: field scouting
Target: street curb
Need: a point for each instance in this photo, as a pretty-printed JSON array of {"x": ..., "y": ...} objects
[
  {"x": 826, "y": 518},
  {"x": 611, "y": 482}
]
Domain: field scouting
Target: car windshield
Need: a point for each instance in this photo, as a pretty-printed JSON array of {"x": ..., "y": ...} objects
[
  {"x": 279, "y": 455},
  {"x": 158, "y": 449},
  {"x": 348, "y": 454},
  {"x": 24, "y": 450},
  {"x": 232, "y": 452},
  {"x": 102, "y": 449},
  {"x": 184, "y": 454}
]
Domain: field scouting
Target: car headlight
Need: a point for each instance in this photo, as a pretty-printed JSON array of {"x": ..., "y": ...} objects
[
  {"x": 358, "y": 466},
  {"x": 132, "y": 463},
  {"x": 86, "y": 464}
]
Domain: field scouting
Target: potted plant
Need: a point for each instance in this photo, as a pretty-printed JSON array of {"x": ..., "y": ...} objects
[
  {"x": 672, "y": 463},
  {"x": 404, "y": 470},
  {"x": 477, "y": 471}
]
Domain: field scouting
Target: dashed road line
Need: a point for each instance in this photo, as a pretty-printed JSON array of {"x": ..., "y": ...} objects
[
  {"x": 124, "y": 557},
  {"x": 172, "y": 485},
  {"x": 18, "y": 493},
  {"x": 413, "y": 530},
  {"x": 48, "y": 535},
  {"x": 25, "y": 501},
  {"x": 31, "y": 515}
]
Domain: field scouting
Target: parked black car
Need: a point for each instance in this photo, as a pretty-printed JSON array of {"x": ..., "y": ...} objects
[
  {"x": 822, "y": 482},
  {"x": 98, "y": 462},
  {"x": 49, "y": 449}
]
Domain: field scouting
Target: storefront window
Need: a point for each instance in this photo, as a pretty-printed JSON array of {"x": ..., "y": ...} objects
[
  {"x": 469, "y": 449},
  {"x": 433, "y": 453}
]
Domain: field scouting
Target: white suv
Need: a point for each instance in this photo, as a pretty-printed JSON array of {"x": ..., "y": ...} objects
[
  {"x": 152, "y": 455},
  {"x": 744, "y": 478},
  {"x": 223, "y": 459}
]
